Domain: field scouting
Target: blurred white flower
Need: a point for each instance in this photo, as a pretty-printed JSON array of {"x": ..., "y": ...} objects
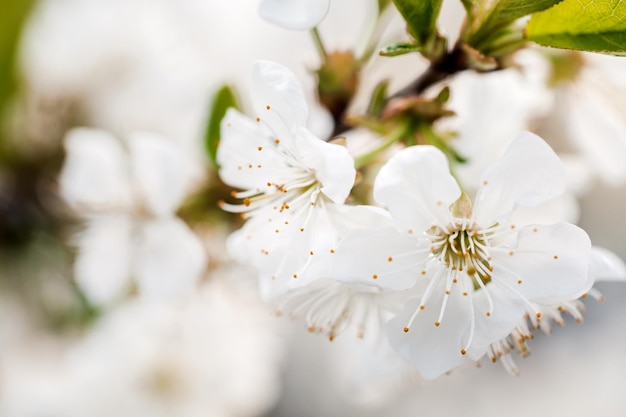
[
  {"x": 294, "y": 14},
  {"x": 591, "y": 106},
  {"x": 490, "y": 111},
  {"x": 127, "y": 193},
  {"x": 472, "y": 271},
  {"x": 215, "y": 354}
]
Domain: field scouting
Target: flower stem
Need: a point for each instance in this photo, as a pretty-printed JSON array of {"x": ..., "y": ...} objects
[
  {"x": 317, "y": 40},
  {"x": 393, "y": 137}
]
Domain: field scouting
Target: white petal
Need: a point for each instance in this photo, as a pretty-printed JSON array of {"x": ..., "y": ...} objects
[
  {"x": 606, "y": 265},
  {"x": 564, "y": 208},
  {"x": 433, "y": 350},
  {"x": 294, "y": 14},
  {"x": 291, "y": 249},
  {"x": 170, "y": 259},
  {"x": 506, "y": 313},
  {"x": 278, "y": 99},
  {"x": 160, "y": 170},
  {"x": 105, "y": 251},
  {"x": 95, "y": 174},
  {"x": 528, "y": 174},
  {"x": 247, "y": 155},
  {"x": 381, "y": 257},
  {"x": 417, "y": 188},
  {"x": 334, "y": 167},
  {"x": 549, "y": 264}
]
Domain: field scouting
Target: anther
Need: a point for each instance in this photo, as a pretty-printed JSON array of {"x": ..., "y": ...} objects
[
  {"x": 437, "y": 324},
  {"x": 406, "y": 330},
  {"x": 375, "y": 276}
]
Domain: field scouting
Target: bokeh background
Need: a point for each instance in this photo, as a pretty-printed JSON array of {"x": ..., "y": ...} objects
[{"x": 127, "y": 65}]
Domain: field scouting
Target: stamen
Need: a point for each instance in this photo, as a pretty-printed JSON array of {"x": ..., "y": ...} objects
[{"x": 424, "y": 299}]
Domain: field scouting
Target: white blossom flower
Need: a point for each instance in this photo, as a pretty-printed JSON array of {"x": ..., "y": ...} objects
[
  {"x": 294, "y": 14},
  {"x": 128, "y": 194},
  {"x": 471, "y": 272},
  {"x": 330, "y": 307},
  {"x": 294, "y": 183}
]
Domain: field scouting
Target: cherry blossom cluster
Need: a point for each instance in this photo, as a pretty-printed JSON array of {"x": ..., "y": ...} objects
[{"x": 439, "y": 274}]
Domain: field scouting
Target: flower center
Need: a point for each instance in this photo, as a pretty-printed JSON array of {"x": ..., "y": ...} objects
[{"x": 462, "y": 247}]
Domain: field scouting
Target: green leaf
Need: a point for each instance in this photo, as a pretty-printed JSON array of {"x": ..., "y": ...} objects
[
  {"x": 443, "y": 96},
  {"x": 382, "y": 5},
  {"x": 12, "y": 16},
  {"x": 222, "y": 101},
  {"x": 468, "y": 4},
  {"x": 399, "y": 49},
  {"x": 420, "y": 16},
  {"x": 587, "y": 25},
  {"x": 489, "y": 18},
  {"x": 506, "y": 11},
  {"x": 378, "y": 99}
]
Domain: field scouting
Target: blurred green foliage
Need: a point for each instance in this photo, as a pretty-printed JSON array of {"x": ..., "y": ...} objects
[{"x": 12, "y": 16}]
